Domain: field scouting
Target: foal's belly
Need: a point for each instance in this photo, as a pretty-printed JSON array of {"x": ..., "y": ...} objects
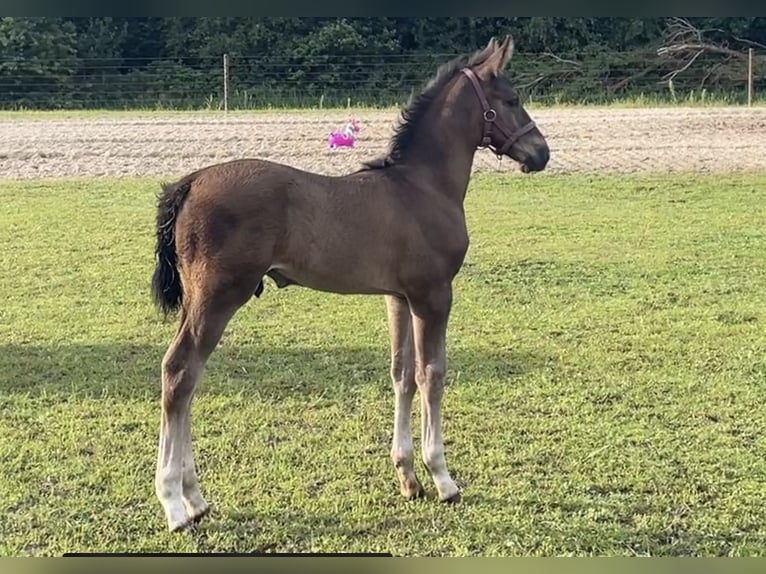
[{"x": 341, "y": 283}]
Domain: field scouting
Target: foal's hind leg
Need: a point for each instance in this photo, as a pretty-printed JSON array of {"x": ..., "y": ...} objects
[
  {"x": 403, "y": 378},
  {"x": 202, "y": 324},
  {"x": 430, "y": 315}
]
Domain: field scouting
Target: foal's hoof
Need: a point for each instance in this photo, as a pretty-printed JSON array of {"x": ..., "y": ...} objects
[
  {"x": 413, "y": 492},
  {"x": 411, "y": 488},
  {"x": 454, "y": 499},
  {"x": 190, "y": 524},
  {"x": 184, "y": 526},
  {"x": 199, "y": 515}
]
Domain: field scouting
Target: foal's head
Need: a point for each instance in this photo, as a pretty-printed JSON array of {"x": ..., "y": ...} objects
[{"x": 506, "y": 125}]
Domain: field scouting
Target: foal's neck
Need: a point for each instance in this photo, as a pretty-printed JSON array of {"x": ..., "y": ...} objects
[{"x": 444, "y": 147}]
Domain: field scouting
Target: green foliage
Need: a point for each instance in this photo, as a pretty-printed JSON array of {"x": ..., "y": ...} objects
[
  {"x": 113, "y": 62},
  {"x": 37, "y": 57},
  {"x": 606, "y": 382}
]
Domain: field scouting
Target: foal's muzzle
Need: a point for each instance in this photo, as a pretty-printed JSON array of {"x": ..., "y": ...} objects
[{"x": 536, "y": 161}]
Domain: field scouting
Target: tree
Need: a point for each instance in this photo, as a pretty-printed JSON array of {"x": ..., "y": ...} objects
[{"x": 37, "y": 58}]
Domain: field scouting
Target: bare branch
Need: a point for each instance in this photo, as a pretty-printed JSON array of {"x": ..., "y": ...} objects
[
  {"x": 709, "y": 73},
  {"x": 682, "y": 28},
  {"x": 533, "y": 83},
  {"x": 702, "y": 46},
  {"x": 685, "y": 45},
  {"x": 572, "y": 68},
  {"x": 625, "y": 81},
  {"x": 750, "y": 42},
  {"x": 562, "y": 60},
  {"x": 673, "y": 74}
]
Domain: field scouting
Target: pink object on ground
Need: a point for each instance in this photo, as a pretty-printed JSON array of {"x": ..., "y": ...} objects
[{"x": 346, "y": 138}]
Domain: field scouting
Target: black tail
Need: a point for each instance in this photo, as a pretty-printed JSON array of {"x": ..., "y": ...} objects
[{"x": 167, "y": 290}]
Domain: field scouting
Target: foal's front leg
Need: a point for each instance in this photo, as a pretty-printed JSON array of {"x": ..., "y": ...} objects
[
  {"x": 429, "y": 320},
  {"x": 403, "y": 379}
]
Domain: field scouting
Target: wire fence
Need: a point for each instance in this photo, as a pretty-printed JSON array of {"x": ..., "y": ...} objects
[{"x": 250, "y": 82}]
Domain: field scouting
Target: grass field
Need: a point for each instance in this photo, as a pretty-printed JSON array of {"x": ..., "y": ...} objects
[
  {"x": 689, "y": 100},
  {"x": 607, "y": 359}
]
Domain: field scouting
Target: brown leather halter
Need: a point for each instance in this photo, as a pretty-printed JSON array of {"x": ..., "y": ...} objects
[{"x": 490, "y": 119}]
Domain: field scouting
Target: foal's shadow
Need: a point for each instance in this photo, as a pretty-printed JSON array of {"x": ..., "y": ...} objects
[
  {"x": 247, "y": 527},
  {"x": 132, "y": 371},
  {"x": 61, "y": 373},
  {"x": 252, "y": 532}
]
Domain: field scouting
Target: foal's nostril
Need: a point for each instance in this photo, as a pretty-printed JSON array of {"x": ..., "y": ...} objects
[{"x": 536, "y": 162}]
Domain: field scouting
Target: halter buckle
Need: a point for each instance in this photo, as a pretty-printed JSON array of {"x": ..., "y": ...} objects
[{"x": 490, "y": 115}]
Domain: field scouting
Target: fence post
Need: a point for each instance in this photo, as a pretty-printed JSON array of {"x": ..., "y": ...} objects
[
  {"x": 225, "y": 83},
  {"x": 749, "y": 77}
]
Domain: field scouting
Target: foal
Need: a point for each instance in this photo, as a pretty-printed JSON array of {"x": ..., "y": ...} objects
[{"x": 394, "y": 228}]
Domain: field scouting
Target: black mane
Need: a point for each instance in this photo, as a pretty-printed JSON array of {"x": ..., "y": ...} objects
[{"x": 415, "y": 110}]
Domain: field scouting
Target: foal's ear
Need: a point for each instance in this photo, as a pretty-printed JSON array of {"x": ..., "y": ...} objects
[
  {"x": 488, "y": 50},
  {"x": 496, "y": 62}
]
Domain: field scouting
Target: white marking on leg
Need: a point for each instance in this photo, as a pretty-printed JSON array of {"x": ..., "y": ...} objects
[
  {"x": 429, "y": 321},
  {"x": 432, "y": 443},
  {"x": 403, "y": 379},
  {"x": 402, "y": 451},
  {"x": 169, "y": 471},
  {"x": 196, "y": 506}
]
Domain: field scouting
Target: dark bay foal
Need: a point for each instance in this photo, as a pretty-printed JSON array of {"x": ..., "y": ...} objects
[{"x": 394, "y": 228}]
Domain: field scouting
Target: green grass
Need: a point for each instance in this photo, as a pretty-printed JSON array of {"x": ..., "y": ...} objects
[
  {"x": 642, "y": 101},
  {"x": 607, "y": 382}
]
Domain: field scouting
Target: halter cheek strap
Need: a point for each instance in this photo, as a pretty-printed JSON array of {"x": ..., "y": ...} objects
[{"x": 490, "y": 120}]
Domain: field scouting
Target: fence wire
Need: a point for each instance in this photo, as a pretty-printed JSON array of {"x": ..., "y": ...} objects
[{"x": 358, "y": 80}]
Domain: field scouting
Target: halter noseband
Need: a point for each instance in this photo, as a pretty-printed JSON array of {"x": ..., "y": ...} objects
[{"x": 490, "y": 117}]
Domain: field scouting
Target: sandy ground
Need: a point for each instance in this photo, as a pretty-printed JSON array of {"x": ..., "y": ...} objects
[{"x": 581, "y": 140}]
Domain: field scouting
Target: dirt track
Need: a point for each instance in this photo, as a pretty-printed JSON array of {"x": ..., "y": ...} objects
[{"x": 581, "y": 140}]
